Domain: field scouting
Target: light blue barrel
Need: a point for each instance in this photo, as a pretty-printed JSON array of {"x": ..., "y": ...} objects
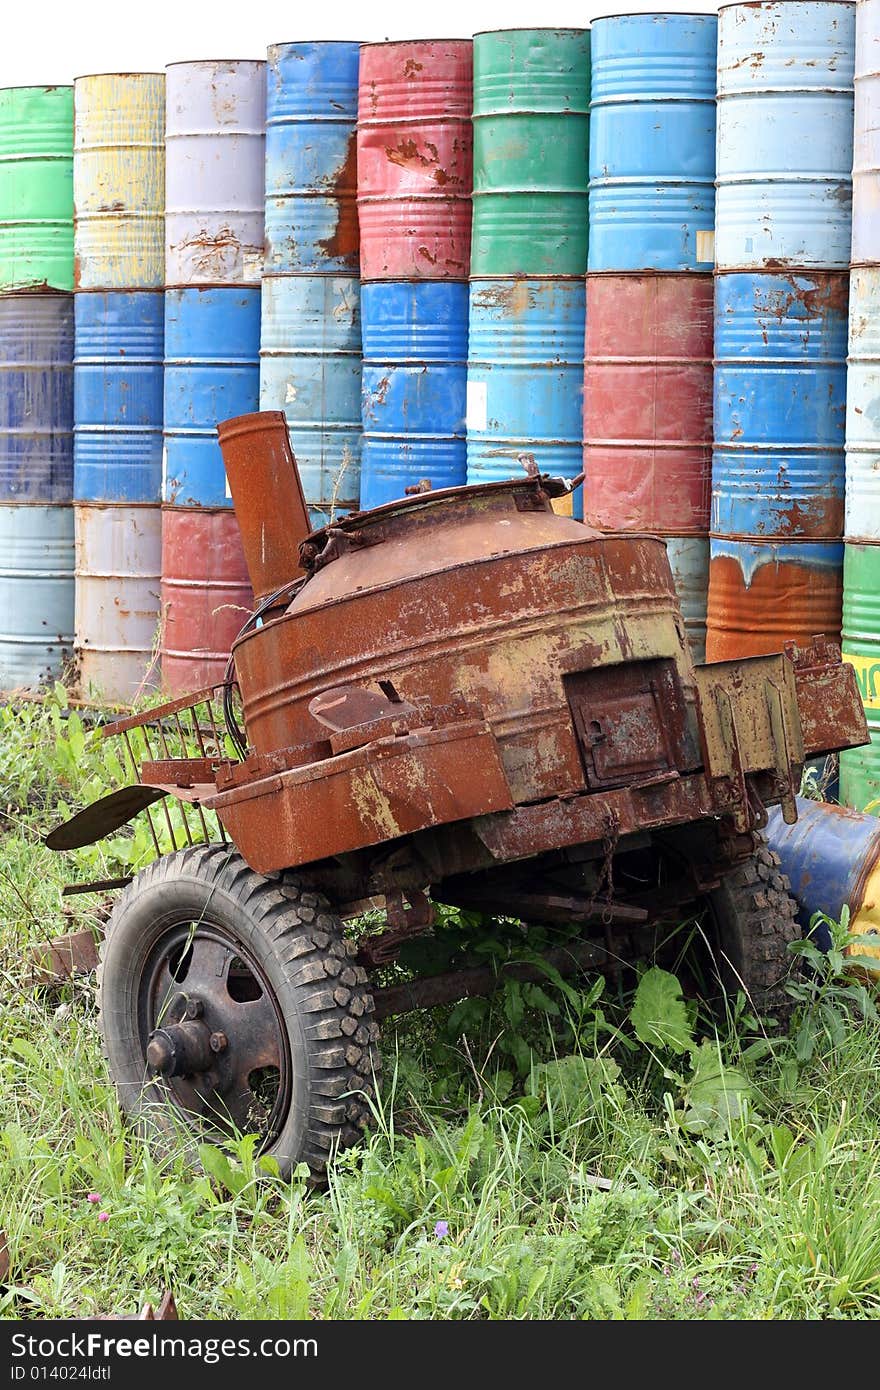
[
  {"x": 36, "y": 594},
  {"x": 652, "y": 142},
  {"x": 785, "y": 135},
  {"x": 525, "y": 379},
  {"x": 311, "y": 158},
  {"x": 413, "y": 390},
  {"x": 310, "y": 367},
  {"x": 780, "y": 405},
  {"x": 212, "y": 372},
  {"x": 36, "y": 398},
  {"x": 118, "y": 395}
]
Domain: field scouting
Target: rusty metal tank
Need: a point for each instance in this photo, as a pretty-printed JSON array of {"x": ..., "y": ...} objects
[{"x": 486, "y": 596}]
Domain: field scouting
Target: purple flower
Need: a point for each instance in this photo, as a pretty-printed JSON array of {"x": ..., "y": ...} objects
[
  {"x": 94, "y": 1197},
  {"x": 441, "y": 1229},
  {"x": 103, "y": 1216}
]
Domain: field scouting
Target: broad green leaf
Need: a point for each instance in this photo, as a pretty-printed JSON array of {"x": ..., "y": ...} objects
[{"x": 659, "y": 1014}]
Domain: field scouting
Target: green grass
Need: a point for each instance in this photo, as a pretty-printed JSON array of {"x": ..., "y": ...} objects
[{"x": 597, "y": 1174}]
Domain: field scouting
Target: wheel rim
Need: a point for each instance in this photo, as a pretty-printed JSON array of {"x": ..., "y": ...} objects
[{"x": 212, "y": 1032}]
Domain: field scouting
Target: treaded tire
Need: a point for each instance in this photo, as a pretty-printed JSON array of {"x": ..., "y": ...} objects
[
  {"x": 753, "y": 914},
  {"x": 321, "y": 996}
]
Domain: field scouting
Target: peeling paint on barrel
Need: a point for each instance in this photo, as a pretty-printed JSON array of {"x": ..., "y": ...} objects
[
  {"x": 531, "y": 152},
  {"x": 862, "y": 519},
  {"x": 36, "y": 594},
  {"x": 118, "y": 568},
  {"x": 206, "y": 595},
  {"x": 780, "y": 405},
  {"x": 689, "y": 561},
  {"x": 866, "y": 141},
  {"x": 415, "y": 159},
  {"x": 36, "y": 188},
  {"x": 648, "y": 402},
  {"x": 311, "y": 158},
  {"x": 763, "y": 594},
  {"x": 652, "y": 142},
  {"x": 214, "y": 174},
  {"x": 36, "y": 398},
  {"x": 785, "y": 135},
  {"x": 119, "y": 181}
]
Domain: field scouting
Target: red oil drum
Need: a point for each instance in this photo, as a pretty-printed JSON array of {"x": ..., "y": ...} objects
[{"x": 206, "y": 595}]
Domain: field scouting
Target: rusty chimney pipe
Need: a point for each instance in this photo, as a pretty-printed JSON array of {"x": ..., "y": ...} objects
[{"x": 267, "y": 494}]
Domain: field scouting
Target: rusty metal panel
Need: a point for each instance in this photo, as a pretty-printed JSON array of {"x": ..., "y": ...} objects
[
  {"x": 390, "y": 788},
  {"x": 118, "y": 565},
  {"x": 205, "y": 596},
  {"x": 648, "y": 402},
  {"x": 415, "y": 159},
  {"x": 214, "y": 154},
  {"x": 785, "y": 135},
  {"x": 311, "y": 158},
  {"x": 119, "y": 181},
  {"x": 469, "y": 596}
]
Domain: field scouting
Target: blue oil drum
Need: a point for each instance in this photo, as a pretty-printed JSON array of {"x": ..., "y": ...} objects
[
  {"x": 117, "y": 449},
  {"x": 831, "y": 857},
  {"x": 310, "y": 367},
  {"x": 212, "y": 372},
  {"x": 652, "y": 142},
  {"x": 36, "y": 398},
  {"x": 785, "y": 135},
  {"x": 311, "y": 158},
  {"x": 413, "y": 389},
  {"x": 36, "y": 593},
  {"x": 525, "y": 379},
  {"x": 780, "y": 405}
]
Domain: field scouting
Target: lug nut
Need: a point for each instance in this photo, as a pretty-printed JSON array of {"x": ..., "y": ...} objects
[
  {"x": 218, "y": 1042},
  {"x": 194, "y": 1008}
]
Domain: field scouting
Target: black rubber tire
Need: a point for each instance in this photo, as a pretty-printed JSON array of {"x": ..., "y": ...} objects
[
  {"x": 297, "y": 940},
  {"x": 752, "y": 914}
]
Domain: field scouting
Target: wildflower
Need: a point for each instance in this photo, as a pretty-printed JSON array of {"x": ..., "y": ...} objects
[
  {"x": 94, "y": 1197},
  {"x": 441, "y": 1229},
  {"x": 103, "y": 1216}
]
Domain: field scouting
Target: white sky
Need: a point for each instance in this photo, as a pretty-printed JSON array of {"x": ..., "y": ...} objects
[{"x": 50, "y": 42}]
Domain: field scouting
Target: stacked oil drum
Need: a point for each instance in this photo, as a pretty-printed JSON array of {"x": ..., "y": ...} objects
[
  {"x": 784, "y": 159},
  {"x": 214, "y": 174},
  {"x": 528, "y": 252},
  {"x": 648, "y": 354},
  {"x": 860, "y": 769},
  {"x": 119, "y": 199},
  {"x": 415, "y": 170},
  {"x": 310, "y": 348},
  {"x": 36, "y": 384}
]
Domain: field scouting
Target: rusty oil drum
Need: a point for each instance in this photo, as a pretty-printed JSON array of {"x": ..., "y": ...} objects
[
  {"x": 206, "y": 595},
  {"x": 648, "y": 403},
  {"x": 483, "y": 593},
  {"x": 415, "y": 159}
]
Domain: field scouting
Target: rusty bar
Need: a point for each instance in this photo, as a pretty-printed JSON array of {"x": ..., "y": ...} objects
[
  {"x": 164, "y": 744},
  {"x": 183, "y": 744},
  {"x": 124, "y": 729},
  {"x": 165, "y": 807},
  {"x": 427, "y": 993},
  {"x": 150, "y": 716},
  {"x": 63, "y": 957},
  {"x": 267, "y": 495},
  {"x": 98, "y": 885}
]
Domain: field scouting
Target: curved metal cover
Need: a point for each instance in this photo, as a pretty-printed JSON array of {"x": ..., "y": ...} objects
[{"x": 215, "y": 116}]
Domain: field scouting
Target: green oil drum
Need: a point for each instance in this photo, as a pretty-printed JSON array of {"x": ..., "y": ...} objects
[
  {"x": 36, "y": 188},
  {"x": 531, "y": 152},
  {"x": 860, "y": 767}
]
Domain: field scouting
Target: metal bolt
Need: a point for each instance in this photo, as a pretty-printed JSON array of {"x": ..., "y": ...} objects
[
  {"x": 218, "y": 1042},
  {"x": 160, "y": 1052},
  {"x": 194, "y": 1008}
]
